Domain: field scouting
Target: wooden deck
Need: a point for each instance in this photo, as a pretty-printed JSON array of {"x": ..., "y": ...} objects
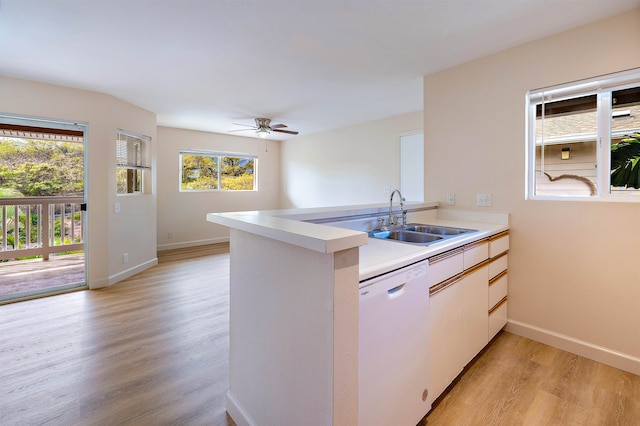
[{"x": 26, "y": 277}]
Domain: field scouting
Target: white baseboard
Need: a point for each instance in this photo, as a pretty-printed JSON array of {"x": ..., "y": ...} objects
[
  {"x": 589, "y": 350},
  {"x": 132, "y": 271},
  {"x": 94, "y": 284},
  {"x": 237, "y": 412},
  {"x": 195, "y": 243}
]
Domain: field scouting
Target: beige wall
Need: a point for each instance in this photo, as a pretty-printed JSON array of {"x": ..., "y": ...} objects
[
  {"x": 351, "y": 165},
  {"x": 573, "y": 274},
  {"x": 109, "y": 235},
  {"x": 182, "y": 214}
]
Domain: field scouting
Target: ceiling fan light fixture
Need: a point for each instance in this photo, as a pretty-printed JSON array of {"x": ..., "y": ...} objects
[{"x": 263, "y": 132}]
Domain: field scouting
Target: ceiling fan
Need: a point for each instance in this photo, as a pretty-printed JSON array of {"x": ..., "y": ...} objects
[{"x": 264, "y": 127}]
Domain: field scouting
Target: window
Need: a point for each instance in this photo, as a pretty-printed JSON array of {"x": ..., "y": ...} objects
[
  {"x": 217, "y": 171},
  {"x": 131, "y": 161},
  {"x": 584, "y": 139}
]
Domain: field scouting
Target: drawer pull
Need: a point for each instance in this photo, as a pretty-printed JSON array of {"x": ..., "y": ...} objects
[
  {"x": 477, "y": 266},
  {"x": 475, "y": 244},
  {"x": 451, "y": 281},
  {"x": 497, "y": 277},
  {"x": 500, "y": 303},
  {"x": 446, "y": 255},
  {"x": 499, "y": 235},
  {"x": 444, "y": 284},
  {"x": 504, "y": 253}
]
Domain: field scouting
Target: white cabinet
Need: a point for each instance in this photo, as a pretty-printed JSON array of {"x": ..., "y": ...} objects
[
  {"x": 498, "y": 244},
  {"x": 475, "y": 253},
  {"x": 465, "y": 312},
  {"x": 458, "y": 325},
  {"x": 445, "y": 265},
  {"x": 444, "y": 320},
  {"x": 474, "y": 332},
  {"x": 498, "y": 282},
  {"x": 497, "y": 289},
  {"x": 498, "y": 265},
  {"x": 497, "y": 318}
]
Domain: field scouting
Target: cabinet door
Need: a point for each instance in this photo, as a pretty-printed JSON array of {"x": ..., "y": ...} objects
[
  {"x": 474, "y": 326},
  {"x": 444, "y": 322},
  {"x": 458, "y": 325}
]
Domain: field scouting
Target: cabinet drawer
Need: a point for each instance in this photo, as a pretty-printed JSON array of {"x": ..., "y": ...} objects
[
  {"x": 444, "y": 266},
  {"x": 497, "y": 319},
  {"x": 475, "y": 253},
  {"x": 498, "y": 287},
  {"x": 498, "y": 244},
  {"x": 498, "y": 265}
]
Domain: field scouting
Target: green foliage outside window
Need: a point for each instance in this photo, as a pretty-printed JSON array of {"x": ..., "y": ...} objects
[
  {"x": 216, "y": 172},
  {"x": 625, "y": 162},
  {"x": 35, "y": 168}
]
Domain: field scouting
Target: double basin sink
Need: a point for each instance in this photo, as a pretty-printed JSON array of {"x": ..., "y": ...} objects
[{"x": 420, "y": 234}]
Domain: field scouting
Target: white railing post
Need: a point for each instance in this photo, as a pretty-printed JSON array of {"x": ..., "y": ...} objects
[
  {"x": 46, "y": 231},
  {"x": 3, "y": 247}
]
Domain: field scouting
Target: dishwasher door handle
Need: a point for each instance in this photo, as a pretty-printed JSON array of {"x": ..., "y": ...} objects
[{"x": 396, "y": 291}]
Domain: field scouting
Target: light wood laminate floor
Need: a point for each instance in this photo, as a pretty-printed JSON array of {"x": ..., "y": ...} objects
[
  {"x": 516, "y": 381},
  {"x": 153, "y": 350}
]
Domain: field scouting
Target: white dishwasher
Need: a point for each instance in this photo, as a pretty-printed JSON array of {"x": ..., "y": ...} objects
[{"x": 393, "y": 370}]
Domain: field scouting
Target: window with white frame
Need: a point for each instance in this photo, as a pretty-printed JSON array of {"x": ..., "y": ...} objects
[
  {"x": 132, "y": 160},
  {"x": 217, "y": 171},
  {"x": 584, "y": 139}
]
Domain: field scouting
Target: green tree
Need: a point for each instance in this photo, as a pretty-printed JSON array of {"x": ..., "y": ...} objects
[
  {"x": 237, "y": 174},
  {"x": 237, "y": 183},
  {"x": 38, "y": 168},
  {"x": 199, "y": 172},
  {"x": 625, "y": 162}
]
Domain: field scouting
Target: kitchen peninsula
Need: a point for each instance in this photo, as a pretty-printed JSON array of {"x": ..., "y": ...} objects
[{"x": 294, "y": 279}]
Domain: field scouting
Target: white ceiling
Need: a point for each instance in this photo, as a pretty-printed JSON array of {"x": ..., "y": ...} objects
[{"x": 312, "y": 64}]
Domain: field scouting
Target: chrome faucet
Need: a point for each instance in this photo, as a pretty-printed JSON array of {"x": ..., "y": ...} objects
[{"x": 393, "y": 219}]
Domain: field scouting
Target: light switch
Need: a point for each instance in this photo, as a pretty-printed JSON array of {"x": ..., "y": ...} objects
[{"x": 116, "y": 208}]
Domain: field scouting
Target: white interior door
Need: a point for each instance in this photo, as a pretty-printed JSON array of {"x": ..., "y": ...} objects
[{"x": 412, "y": 167}]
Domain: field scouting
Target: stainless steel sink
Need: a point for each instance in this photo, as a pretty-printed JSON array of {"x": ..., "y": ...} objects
[
  {"x": 406, "y": 236},
  {"x": 437, "y": 230},
  {"x": 420, "y": 234}
]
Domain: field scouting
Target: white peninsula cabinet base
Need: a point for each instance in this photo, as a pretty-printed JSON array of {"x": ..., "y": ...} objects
[
  {"x": 283, "y": 333},
  {"x": 293, "y": 321},
  {"x": 294, "y": 305}
]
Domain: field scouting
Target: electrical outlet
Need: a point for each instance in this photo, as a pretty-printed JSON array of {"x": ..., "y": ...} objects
[
  {"x": 125, "y": 257},
  {"x": 483, "y": 200},
  {"x": 386, "y": 189},
  {"x": 451, "y": 199}
]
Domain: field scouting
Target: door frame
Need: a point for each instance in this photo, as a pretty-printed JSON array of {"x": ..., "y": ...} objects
[{"x": 58, "y": 124}]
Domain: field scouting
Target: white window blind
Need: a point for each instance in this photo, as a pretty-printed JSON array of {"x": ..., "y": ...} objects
[{"x": 132, "y": 151}]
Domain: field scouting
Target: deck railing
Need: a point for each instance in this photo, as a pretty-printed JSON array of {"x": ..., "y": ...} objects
[{"x": 40, "y": 226}]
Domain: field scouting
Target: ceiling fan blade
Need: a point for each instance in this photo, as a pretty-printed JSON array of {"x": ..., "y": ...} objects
[
  {"x": 278, "y": 126},
  {"x": 246, "y": 125},
  {"x": 285, "y": 131},
  {"x": 241, "y": 130}
]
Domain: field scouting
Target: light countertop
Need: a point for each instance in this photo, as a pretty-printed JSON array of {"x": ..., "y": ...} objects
[{"x": 349, "y": 230}]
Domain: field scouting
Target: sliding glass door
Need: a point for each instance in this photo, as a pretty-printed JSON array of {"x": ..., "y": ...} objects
[{"x": 42, "y": 207}]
